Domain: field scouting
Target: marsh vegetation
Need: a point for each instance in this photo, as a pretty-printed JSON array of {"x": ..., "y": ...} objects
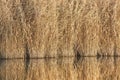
[{"x": 54, "y": 28}]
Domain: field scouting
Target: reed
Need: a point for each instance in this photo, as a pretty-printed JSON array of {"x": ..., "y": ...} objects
[{"x": 54, "y": 28}]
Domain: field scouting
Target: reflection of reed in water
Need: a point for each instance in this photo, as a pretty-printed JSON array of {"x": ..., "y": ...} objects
[
  {"x": 109, "y": 68},
  {"x": 12, "y": 70},
  {"x": 61, "y": 69},
  {"x": 2, "y": 70}
]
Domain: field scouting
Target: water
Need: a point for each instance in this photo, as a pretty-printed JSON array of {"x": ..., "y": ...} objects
[{"x": 88, "y": 68}]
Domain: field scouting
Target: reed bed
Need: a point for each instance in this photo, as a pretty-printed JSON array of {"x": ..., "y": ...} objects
[{"x": 54, "y": 28}]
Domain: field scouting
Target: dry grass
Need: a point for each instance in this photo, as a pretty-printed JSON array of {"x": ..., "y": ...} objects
[{"x": 53, "y": 28}]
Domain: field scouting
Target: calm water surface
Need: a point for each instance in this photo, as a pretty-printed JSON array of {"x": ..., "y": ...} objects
[{"x": 61, "y": 69}]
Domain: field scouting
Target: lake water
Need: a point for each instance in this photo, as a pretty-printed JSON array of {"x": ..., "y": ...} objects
[{"x": 87, "y": 68}]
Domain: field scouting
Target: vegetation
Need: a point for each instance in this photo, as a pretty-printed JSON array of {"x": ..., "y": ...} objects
[{"x": 54, "y": 28}]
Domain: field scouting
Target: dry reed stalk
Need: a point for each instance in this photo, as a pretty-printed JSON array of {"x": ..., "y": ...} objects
[{"x": 59, "y": 28}]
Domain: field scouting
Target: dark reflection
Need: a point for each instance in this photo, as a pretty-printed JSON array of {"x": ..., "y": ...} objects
[
  {"x": 26, "y": 60},
  {"x": 77, "y": 61},
  {"x": 26, "y": 64},
  {"x": 106, "y": 68},
  {"x": 2, "y": 62},
  {"x": 98, "y": 55}
]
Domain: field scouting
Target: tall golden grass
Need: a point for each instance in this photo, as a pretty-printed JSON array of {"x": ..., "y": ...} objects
[{"x": 53, "y": 28}]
